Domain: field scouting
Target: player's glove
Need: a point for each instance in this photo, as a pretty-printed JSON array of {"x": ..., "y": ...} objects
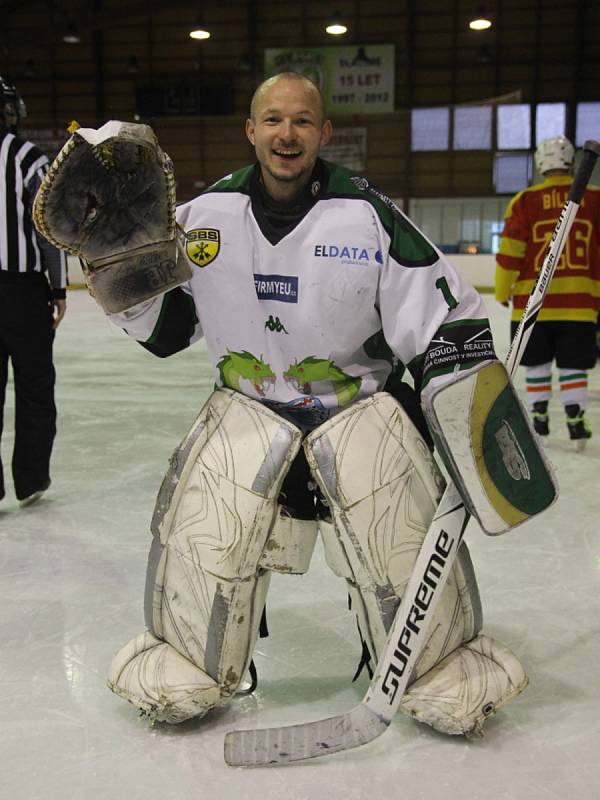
[{"x": 109, "y": 198}]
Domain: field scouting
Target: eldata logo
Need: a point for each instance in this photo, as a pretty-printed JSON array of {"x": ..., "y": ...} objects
[
  {"x": 346, "y": 254},
  {"x": 202, "y": 245}
]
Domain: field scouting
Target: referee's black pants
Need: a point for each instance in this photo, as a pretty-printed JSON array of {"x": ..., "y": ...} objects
[{"x": 26, "y": 338}]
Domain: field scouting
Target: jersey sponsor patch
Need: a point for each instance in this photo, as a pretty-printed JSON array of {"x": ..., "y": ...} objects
[
  {"x": 458, "y": 344},
  {"x": 347, "y": 254},
  {"x": 283, "y": 288},
  {"x": 202, "y": 245}
]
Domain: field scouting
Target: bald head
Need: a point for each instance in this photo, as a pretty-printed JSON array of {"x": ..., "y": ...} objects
[
  {"x": 287, "y": 128},
  {"x": 292, "y": 78}
]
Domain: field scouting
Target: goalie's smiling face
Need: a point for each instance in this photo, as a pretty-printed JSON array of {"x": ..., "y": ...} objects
[{"x": 287, "y": 130}]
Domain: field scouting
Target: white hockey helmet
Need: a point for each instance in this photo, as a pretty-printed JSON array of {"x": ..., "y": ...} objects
[{"x": 554, "y": 153}]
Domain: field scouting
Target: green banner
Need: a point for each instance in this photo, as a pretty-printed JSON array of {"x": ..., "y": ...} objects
[{"x": 357, "y": 79}]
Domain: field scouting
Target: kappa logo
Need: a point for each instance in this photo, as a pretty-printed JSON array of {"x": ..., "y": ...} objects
[
  {"x": 361, "y": 183},
  {"x": 202, "y": 245},
  {"x": 512, "y": 455},
  {"x": 275, "y": 325}
]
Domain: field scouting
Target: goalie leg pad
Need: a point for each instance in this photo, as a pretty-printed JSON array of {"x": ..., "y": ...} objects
[
  {"x": 205, "y": 587},
  {"x": 160, "y": 682},
  {"x": 466, "y": 688},
  {"x": 383, "y": 486},
  {"x": 485, "y": 438}
]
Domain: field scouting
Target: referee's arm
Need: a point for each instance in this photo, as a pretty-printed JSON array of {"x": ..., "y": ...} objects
[{"x": 55, "y": 261}]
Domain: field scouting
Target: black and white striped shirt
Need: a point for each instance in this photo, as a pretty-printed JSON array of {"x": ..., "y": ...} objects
[{"x": 22, "y": 248}]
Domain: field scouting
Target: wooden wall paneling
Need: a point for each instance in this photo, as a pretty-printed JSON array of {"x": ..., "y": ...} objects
[
  {"x": 382, "y": 29},
  {"x": 549, "y": 49}
]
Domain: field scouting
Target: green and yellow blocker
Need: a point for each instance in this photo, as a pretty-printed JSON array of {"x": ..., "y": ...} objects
[{"x": 511, "y": 468}]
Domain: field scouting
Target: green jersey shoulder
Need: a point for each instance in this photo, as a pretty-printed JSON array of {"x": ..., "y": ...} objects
[
  {"x": 408, "y": 246},
  {"x": 238, "y": 181}
]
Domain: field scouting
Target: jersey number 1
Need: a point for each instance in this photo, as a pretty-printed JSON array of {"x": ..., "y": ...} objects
[{"x": 442, "y": 285}]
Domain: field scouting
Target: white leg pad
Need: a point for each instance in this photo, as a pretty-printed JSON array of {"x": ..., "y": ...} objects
[
  {"x": 466, "y": 688},
  {"x": 158, "y": 680},
  {"x": 383, "y": 486},
  {"x": 205, "y": 587}
]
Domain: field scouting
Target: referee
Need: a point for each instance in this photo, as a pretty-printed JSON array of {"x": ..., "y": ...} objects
[{"x": 31, "y": 305}]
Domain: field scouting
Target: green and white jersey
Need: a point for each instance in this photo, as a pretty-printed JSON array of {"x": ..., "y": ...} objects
[{"x": 313, "y": 315}]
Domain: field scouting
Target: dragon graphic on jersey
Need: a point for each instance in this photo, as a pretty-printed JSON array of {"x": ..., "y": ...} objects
[
  {"x": 302, "y": 374},
  {"x": 234, "y": 367}
]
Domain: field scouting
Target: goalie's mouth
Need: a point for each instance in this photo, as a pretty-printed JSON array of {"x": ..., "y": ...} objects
[{"x": 287, "y": 153}]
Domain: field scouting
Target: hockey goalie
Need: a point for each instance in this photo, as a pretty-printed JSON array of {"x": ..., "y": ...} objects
[{"x": 311, "y": 290}]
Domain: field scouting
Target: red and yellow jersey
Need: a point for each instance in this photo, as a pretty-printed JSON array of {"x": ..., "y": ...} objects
[{"x": 530, "y": 219}]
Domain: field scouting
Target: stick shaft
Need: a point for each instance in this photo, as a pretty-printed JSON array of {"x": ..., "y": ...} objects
[{"x": 408, "y": 633}]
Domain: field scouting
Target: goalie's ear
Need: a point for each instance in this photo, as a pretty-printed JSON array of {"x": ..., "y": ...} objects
[
  {"x": 250, "y": 131},
  {"x": 326, "y": 133}
]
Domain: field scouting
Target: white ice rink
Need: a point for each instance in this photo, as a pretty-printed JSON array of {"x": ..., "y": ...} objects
[{"x": 72, "y": 573}]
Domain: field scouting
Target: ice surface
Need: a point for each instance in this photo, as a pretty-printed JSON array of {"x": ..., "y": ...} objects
[{"x": 72, "y": 574}]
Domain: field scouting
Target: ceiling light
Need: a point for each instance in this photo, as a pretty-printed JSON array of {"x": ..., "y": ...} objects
[
  {"x": 336, "y": 27},
  {"x": 480, "y": 21},
  {"x": 71, "y": 35},
  {"x": 200, "y": 31}
]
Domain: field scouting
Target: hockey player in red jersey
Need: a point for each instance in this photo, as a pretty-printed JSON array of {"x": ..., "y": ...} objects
[{"x": 565, "y": 330}]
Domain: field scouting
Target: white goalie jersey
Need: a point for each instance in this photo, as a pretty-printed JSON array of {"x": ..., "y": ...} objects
[{"x": 312, "y": 317}]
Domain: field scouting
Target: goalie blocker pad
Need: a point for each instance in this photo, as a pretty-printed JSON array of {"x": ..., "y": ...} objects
[{"x": 485, "y": 440}]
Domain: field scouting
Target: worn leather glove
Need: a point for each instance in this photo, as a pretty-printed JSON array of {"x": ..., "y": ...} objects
[{"x": 109, "y": 198}]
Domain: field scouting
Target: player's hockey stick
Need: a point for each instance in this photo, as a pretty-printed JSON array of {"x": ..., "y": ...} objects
[{"x": 406, "y": 637}]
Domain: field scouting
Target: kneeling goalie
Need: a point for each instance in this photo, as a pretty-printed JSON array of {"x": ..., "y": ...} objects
[{"x": 339, "y": 449}]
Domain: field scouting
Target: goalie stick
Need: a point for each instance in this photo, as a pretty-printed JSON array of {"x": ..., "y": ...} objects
[{"x": 371, "y": 717}]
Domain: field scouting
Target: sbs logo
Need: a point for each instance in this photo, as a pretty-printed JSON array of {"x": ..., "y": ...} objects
[{"x": 202, "y": 245}]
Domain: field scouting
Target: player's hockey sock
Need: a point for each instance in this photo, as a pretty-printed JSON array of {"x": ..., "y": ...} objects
[
  {"x": 573, "y": 387},
  {"x": 538, "y": 382},
  {"x": 539, "y": 414}
]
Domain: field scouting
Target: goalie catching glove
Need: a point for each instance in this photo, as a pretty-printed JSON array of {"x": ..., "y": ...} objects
[{"x": 109, "y": 198}]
